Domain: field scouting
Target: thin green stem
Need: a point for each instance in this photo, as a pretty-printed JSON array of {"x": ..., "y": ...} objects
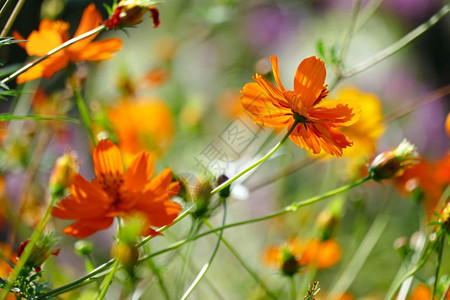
[
  {"x": 107, "y": 281},
  {"x": 293, "y": 287},
  {"x": 162, "y": 229},
  {"x": 350, "y": 31},
  {"x": 53, "y": 51},
  {"x": 29, "y": 248},
  {"x": 392, "y": 49},
  {"x": 359, "y": 258},
  {"x": 290, "y": 208},
  {"x": 3, "y": 10},
  {"x": 206, "y": 267},
  {"x": 243, "y": 263},
  {"x": 439, "y": 263},
  {"x": 255, "y": 164},
  {"x": 159, "y": 278},
  {"x": 12, "y": 17},
  {"x": 82, "y": 108},
  {"x": 366, "y": 13}
]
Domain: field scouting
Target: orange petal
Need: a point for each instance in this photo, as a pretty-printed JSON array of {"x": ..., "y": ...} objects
[
  {"x": 335, "y": 113},
  {"x": 95, "y": 51},
  {"x": 41, "y": 42},
  {"x": 86, "y": 227},
  {"x": 160, "y": 184},
  {"x": 17, "y": 36},
  {"x": 266, "y": 110},
  {"x": 276, "y": 72},
  {"x": 107, "y": 159},
  {"x": 90, "y": 19},
  {"x": 160, "y": 213},
  {"x": 139, "y": 172},
  {"x": 329, "y": 254},
  {"x": 309, "y": 79},
  {"x": 46, "y": 68}
]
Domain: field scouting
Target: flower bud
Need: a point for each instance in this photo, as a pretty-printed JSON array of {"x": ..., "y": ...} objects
[
  {"x": 392, "y": 163},
  {"x": 225, "y": 193},
  {"x": 65, "y": 168},
  {"x": 40, "y": 252},
  {"x": 289, "y": 265},
  {"x": 83, "y": 247},
  {"x": 130, "y": 12}
]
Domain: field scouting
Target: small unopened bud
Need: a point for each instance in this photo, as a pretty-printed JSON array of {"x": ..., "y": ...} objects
[
  {"x": 401, "y": 246},
  {"x": 225, "y": 193},
  {"x": 127, "y": 254},
  {"x": 130, "y": 12},
  {"x": 392, "y": 163},
  {"x": 65, "y": 168},
  {"x": 83, "y": 248},
  {"x": 289, "y": 265},
  {"x": 327, "y": 223},
  {"x": 202, "y": 199}
]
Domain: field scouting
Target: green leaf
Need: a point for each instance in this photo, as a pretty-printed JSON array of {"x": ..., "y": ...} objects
[
  {"x": 321, "y": 49},
  {"x": 10, "y": 117},
  {"x": 9, "y": 40}
]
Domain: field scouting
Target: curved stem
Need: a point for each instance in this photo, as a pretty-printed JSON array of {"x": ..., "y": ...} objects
[
  {"x": 12, "y": 17},
  {"x": 293, "y": 288},
  {"x": 81, "y": 105},
  {"x": 53, "y": 51},
  {"x": 107, "y": 282},
  {"x": 408, "y": 38},
  {"x": 206, "y": 267},
  {"x": 255, "y": 164},
  {"x": 252, "y": 273}
]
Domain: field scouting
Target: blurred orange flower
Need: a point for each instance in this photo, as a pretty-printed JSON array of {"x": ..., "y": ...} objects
[
  {"x": 313, "y": 253},
  {"x": 143, "y": 123},
  {"x": 421, "y": 292},
  {"x": 319, "y": 120},
  {"x": 115, "y": 193},
  {"x": 51, "y": 34},
  {"x": 426, "y": 181}
]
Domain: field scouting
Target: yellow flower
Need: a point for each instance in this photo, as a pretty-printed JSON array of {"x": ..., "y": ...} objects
[{"x": 365, "y": 132}]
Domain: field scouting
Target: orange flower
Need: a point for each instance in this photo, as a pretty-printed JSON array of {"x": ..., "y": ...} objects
[
  {"x": 319, "y": 120},
  {"x": 314, "y": 253},
  {"x": 115, "y": 193},
  {"x": 425, "y": 182},
  {"x": 421, "y": 292},
  {"x": 51, "y": 34},
  {"x": 143, "y": 123}
]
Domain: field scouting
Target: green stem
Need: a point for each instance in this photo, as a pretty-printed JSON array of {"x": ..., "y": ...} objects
[
  {"x": 82, "y": 109},
  {"x": 53, "y": 51},
  {"x": 252, "y": 273},
  {"x": 177, "y": 219},
  {"x": 359, "y": 258},
  {"x": 107, "y": 281},
  {"x": 291, "y": 208},
  {"x": 159, "y": 278},
  {"x": 439, "y": 262},
  {"x": 29, "y": 248},
  {"x": 255, "y": 164},
  {"x": 206, "y": 267},
  {"x": 293, "y": 288},
  {"x": 408, "y": 38},
  {"x": 350, "y": 31},
  {"x": 12, "y": 17},
  {"x": 368, "y": 11}
]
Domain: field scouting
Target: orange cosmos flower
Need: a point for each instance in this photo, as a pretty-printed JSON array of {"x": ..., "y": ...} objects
[
  {"x": 143, "y": 123},
  {"x": 319, "y": 120},
  {"x": 115, "y": 193},
  {"x": 51, "y": 34},
  {"x": 313, "y": 253}
]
